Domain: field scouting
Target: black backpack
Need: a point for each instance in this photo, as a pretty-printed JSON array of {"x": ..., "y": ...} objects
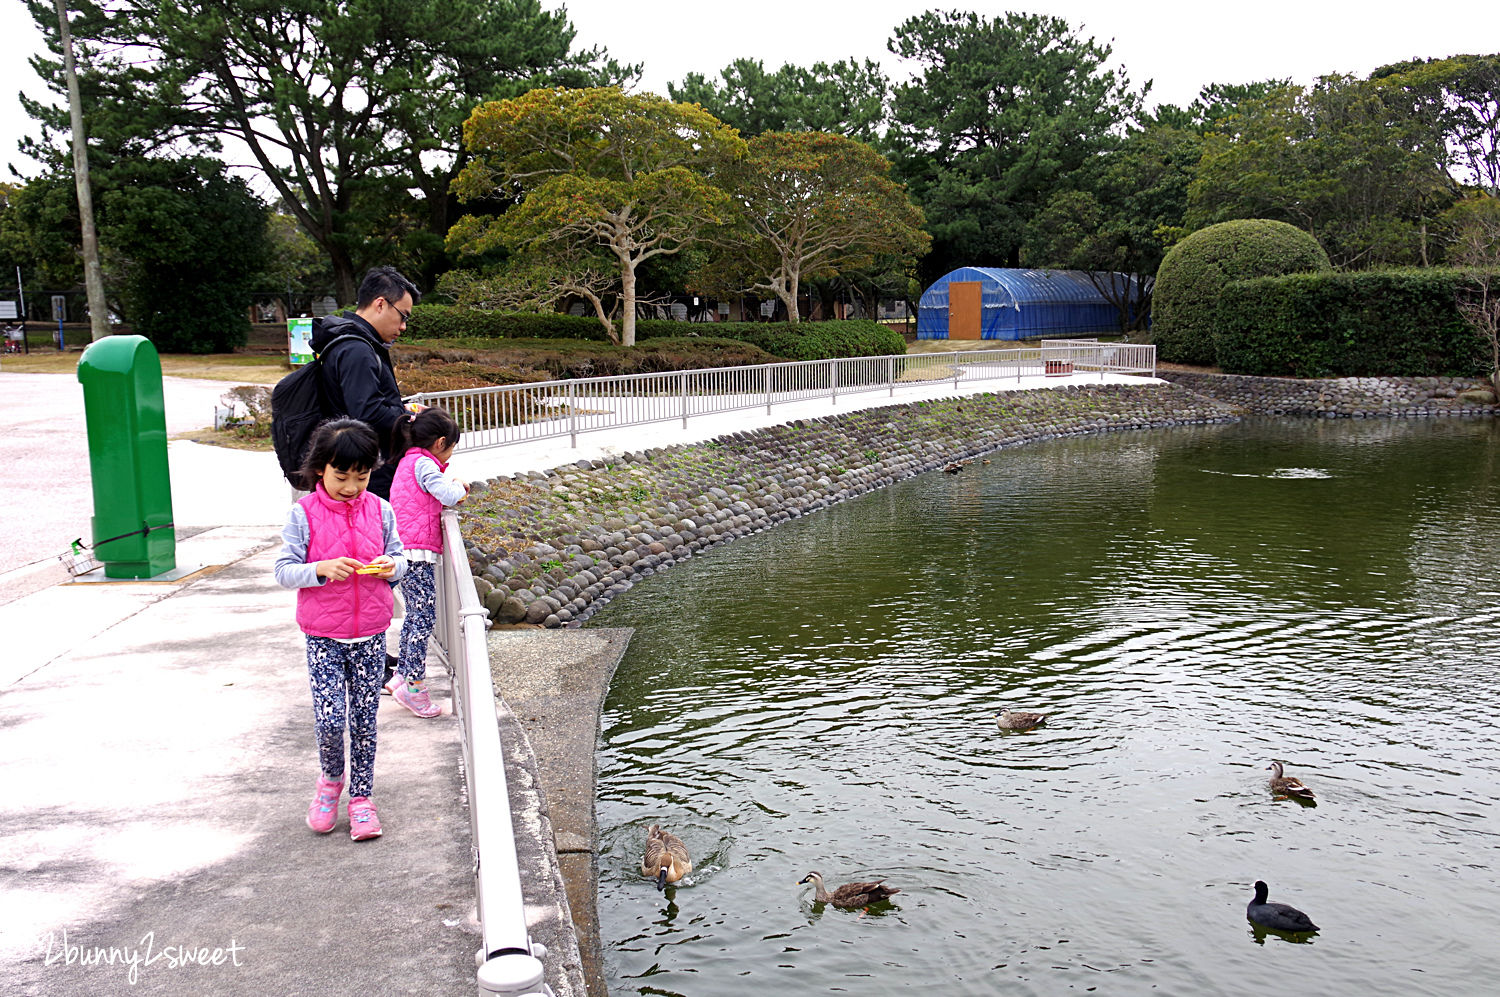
[{"x": 298, "y": 403}]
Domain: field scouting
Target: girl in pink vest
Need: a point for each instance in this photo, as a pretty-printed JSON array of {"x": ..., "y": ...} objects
[
  {"x": 419, "y": 492},
  {"x": 342, "y": 554}
]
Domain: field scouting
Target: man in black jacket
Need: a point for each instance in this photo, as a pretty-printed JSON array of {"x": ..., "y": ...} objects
[{"x": 358, "y": 375}]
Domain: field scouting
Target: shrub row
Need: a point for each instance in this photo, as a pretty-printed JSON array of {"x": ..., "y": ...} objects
[
  {"x": 1398, "y": 323},
  {"x": 806, "y": 341},
  {"x": 451, "y": 322}
]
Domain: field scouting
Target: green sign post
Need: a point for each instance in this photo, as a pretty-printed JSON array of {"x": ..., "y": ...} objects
[
  {"x": 299, "y": 341},
  {"x": 127, "y": 426}
]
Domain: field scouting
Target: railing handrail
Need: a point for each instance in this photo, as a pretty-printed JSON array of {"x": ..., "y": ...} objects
[
  {"x": 509, "y": 962},
  {"x": 498, "y": 415}
]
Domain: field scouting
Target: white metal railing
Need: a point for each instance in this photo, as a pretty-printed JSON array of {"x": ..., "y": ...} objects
[
  {"x": 1092, "y": 355},
  {"x": 509, "y": 961},
  {"x": 518, "y": 413}
]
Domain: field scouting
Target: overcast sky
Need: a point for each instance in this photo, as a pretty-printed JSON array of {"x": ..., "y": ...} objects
[{"x": 1181, "y": 46}]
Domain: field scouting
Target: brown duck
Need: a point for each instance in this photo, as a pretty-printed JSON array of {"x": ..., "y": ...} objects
[
  {"x": 1017, "y": 720},
  {"x": 666, "y": 859},
  {"x": 1285, "y": 785},
  {"x": 850, "y": 894}
]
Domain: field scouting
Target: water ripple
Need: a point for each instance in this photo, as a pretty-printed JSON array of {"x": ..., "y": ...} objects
[{"x": 1186, "y": 606}]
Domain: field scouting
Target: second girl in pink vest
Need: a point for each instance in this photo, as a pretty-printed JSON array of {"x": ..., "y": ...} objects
[
  {"x": 419, "y": 493},
  {"x": 342, "y": 554}
]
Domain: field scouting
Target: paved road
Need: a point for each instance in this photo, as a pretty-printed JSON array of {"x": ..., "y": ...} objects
[{"x": 45, "y": 481}]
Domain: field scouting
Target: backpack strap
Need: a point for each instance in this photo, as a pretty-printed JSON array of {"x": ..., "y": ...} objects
[
  {"x": 325, "y": 402},
  {"x": 337, "y": 340}
]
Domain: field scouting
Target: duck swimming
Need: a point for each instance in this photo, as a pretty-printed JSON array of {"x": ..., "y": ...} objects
[
  {"x": 1017, "y": 720},
  {"x": 666, "y": 859},
  {"x": 1281, "y": 917},
  {"x": 850, "y": 894},
  {"x": 1287, "y": 785}
]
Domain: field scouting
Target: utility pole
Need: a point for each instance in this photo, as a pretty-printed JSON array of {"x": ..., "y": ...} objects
[{"x": 93, "y": 277}]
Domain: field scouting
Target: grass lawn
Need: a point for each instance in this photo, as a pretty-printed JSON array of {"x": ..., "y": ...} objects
[{"x": 243, "y": 368}]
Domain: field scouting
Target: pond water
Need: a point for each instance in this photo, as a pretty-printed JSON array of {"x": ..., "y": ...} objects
[{"x": 1187, "y": 605}]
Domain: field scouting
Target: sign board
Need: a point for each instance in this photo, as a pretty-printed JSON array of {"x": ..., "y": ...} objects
[
  {"x": 299, "y": 340},
  {"x": 59, "y": 308},
  {"x": 8, "y": 309}
]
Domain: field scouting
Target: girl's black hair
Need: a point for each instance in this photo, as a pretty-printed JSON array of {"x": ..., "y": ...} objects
[
  {"x": 346, "y": 444},
  {"x": 422, "y": 430}
]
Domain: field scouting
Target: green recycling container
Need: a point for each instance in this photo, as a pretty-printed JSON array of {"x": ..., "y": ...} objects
[{"x": 133, "y": 535}]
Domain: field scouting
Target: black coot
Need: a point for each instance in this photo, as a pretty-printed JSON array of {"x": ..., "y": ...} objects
[{"x": 1281, "y": 917}]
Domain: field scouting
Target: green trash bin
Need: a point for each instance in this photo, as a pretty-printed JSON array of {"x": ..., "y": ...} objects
[{"x": 127, "y": 426}]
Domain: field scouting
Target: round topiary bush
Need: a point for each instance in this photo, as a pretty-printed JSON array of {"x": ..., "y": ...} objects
[{"x": 1185, "y": 301}]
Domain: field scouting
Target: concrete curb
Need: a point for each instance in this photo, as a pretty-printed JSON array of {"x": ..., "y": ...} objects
[{"x": 555, "y": 682}]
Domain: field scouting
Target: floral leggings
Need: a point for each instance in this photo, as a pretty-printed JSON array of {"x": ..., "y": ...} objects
[
  {"x": 339, "y": 673},
  {"x": 419, "y": 589}
]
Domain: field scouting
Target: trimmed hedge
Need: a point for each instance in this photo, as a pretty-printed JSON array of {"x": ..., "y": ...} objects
[
  {"x": 806, "y": 341},
  {"x": 1395, "y": 323},
  {"x": 1185, "y": 300},
  {"x": 452, "y": 322}
]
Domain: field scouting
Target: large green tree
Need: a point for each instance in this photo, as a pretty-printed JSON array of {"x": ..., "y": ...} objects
[
  {"x": 1460, "y": 96},
  {"x": 1000, "y": 112},
  {"x": 811, "y": 204},
  {"x": 845, "y": 98},
  {"x": 1342, "y": 160},
  {"x": 343, "y": 105},
  {"x": 632, "y": 174},
  {"x": 1117, "y": 216},
  {"x": 39, "y": 231},
  {"x": 182, "y": 244},
  {"x": 185, "y": 241}
]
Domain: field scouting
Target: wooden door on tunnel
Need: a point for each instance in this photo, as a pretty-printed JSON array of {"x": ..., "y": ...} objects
[{"x": 963, "y": 309}]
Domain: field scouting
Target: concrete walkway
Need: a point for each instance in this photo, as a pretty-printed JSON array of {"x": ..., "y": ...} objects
[{"x": 157, "y": 751}]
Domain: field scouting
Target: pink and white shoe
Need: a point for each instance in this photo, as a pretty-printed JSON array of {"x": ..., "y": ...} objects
[
  {"x": 323, "y": 813},
  {"x": 364, "y": 822},
  {"x": 414, "y": 697}
]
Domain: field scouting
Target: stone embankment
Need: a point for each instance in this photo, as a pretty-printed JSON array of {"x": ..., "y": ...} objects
[
  {"x": 551, "y": 548},
  {"x": 1343, "y": 397}
]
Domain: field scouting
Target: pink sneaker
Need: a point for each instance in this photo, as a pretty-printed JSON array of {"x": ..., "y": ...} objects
[
  {"x": 324, "y": 811},
  {"x": 364, "y": 823},
  {"x": 415, "y": 698}
]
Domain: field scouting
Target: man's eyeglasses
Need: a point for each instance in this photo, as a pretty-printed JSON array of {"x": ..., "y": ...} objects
[{"x": 405, "y": 316}]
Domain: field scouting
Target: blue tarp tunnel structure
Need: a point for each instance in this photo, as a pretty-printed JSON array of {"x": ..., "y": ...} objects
[{"x": 995, "y": 303}]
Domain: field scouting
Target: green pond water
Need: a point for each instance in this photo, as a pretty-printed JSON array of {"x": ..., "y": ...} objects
[{"x": 1188, "y": 605}]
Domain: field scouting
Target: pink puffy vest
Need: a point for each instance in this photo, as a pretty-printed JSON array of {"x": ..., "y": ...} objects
[
  {"x": 360, "y": 605},
  {"x": 417, "y": 512}
]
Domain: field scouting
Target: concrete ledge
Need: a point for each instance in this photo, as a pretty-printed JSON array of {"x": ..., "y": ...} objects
[{"x": 552, "y": 684}]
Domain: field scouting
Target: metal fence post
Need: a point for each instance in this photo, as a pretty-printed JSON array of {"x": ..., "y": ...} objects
[
  {"x": 890, "y": 375},
  {"x": 833, "y": 380},
  {"x": 572, "y": 417},
  {"x": 682, "y": 392}
]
